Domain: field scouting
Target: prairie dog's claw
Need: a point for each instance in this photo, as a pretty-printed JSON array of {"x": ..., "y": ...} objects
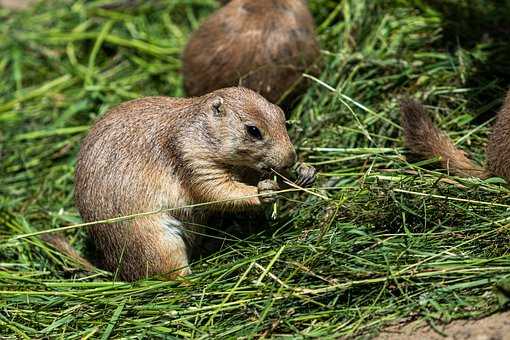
[
  {"x": 267, "y": 188},
  {"x": 305, "y": 175}
]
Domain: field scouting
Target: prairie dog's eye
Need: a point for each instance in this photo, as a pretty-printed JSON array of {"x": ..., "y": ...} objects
[{"x": 254, "y": 132}]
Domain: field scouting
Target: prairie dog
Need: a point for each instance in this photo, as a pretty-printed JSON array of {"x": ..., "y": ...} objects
[
  {"x": 264, "y": 45},
  {"x": 423, "y": 138},
  {"x": 160, "y": 152}
]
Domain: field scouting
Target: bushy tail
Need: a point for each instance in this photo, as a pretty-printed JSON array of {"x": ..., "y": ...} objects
[
  {"x": 62, "y": 245},
  {"x": 423, "y": 138}
]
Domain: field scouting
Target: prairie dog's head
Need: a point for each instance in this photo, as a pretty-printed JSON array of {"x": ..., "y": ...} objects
[{"x": 250, "y": 130}]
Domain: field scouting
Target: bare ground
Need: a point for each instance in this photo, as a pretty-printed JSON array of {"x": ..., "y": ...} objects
[{"x": 494, "y": 327}]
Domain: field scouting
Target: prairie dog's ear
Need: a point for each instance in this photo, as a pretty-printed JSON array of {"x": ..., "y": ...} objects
[{"x": 217, "y": 106}]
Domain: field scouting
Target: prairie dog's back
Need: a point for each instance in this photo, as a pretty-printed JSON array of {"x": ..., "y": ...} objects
[{"x": 125, "y": 153}]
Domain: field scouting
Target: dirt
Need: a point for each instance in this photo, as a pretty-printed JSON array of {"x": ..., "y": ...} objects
[{"x": 494, "y": 327}]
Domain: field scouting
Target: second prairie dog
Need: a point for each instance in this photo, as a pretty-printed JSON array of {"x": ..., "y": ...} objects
[
  {"x": 160, "y": 152},
  {"x": 422, "y": 137},
  {"x": 264, "y": 45}
]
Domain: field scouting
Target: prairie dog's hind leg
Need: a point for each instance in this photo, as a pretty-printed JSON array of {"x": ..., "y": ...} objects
[
  {"x": 175, "y": 247},
  {"x": 155, "y": 247}
]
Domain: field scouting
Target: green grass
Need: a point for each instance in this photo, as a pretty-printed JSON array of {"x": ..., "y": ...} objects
[{"x": 385, "y": 240}]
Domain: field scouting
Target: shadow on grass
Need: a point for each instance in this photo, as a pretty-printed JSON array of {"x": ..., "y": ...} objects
[
  {"x": 480, "y": 25},
  {"x": 226, "y": 229}
]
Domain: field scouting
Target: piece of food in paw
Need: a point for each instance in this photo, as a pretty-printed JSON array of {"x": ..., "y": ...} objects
[{"x": 268, "y": 188}]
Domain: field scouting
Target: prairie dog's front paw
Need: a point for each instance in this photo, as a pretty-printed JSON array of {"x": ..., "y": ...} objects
[
  {"x": 305, "y": 174},
  {"x": 267, "y": 188}
]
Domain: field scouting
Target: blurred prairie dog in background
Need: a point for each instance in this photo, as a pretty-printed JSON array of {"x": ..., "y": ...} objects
[{"x": 264, "y": 45}]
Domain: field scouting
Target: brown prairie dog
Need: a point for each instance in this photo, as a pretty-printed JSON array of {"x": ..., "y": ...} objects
[
  {"x": 264, "y": 45},
  {"x": 160, "y": 152},
  {"x": 423, "y": 138}
]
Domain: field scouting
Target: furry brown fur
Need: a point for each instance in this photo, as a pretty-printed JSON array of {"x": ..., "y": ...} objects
[
  {"x": 423, "y": 138},
  {"x": 159, "y": 152},
  {"x": 498, "y": 150},
  {"x": 264, "y": 45}
]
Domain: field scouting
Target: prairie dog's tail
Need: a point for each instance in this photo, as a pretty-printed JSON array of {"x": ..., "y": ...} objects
[
  {"x": 61, "y": 244},
  {"x": 423, "y": 138}
]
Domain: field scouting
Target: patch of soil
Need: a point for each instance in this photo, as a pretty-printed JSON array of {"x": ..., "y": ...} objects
[{"x": 494, "y": 327}]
